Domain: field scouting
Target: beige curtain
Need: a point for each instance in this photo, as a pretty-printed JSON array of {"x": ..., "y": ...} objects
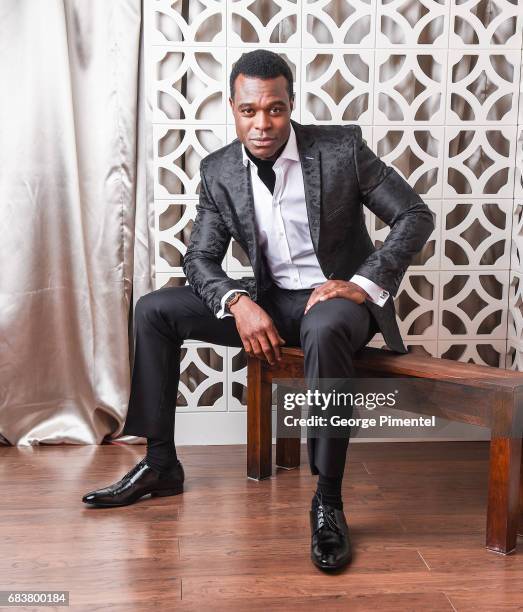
[{"x": 76, "y": 216}]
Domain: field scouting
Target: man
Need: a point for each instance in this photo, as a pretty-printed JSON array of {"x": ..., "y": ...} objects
[{"x": 291, "y": 195}]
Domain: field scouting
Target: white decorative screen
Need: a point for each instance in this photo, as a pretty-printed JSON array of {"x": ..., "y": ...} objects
[{"x": 435, "y": 86}]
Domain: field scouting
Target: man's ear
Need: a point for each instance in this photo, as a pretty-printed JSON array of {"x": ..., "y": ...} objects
[{"x": 231, "y": 103}]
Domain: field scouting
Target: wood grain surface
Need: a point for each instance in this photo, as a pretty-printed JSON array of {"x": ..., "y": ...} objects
[{"x": 415, "y": 512}]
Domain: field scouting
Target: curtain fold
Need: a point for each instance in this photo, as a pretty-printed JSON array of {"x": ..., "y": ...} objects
[{"x": 76, "y": 216}]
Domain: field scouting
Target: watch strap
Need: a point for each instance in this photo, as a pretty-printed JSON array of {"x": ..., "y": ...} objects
[{"x": 232, "y": 300}]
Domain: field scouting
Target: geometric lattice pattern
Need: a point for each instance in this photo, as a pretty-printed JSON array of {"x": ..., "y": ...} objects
[{"x": 437, "y": 90}]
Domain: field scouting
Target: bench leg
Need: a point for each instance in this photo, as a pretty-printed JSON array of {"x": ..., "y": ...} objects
[
  {"x": 503, "y": 513},
  {"x": 259, "y": 421},
  {"x": 288, "y": 453}
]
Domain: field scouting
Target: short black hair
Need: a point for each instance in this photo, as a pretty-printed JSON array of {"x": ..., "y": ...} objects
[{"x": 261, "y": 64}]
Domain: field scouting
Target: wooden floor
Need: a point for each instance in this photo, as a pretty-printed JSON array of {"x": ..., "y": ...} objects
[{"x": 416, "y": 514}]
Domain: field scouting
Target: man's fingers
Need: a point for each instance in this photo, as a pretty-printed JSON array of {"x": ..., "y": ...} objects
[
  {"x": 266, "y": 346},
  {"x": 326, "y": 295},
  {"x": 257, "y": 349},
  {"x": 247, "y": 346},
  {"x": 312, "y": 302},
  {"x": 274, "y": 339},
  {"x": 262, "y": 348},
  {"x": 312, "y": 299},
  {"x": 354, "y": 296},
  {"x": 332, "y": 289}
]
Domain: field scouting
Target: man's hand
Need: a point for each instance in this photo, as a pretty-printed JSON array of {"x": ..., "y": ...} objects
[
  {"x": 258, "y": 333},
  {"x": 336, "y": 288}
]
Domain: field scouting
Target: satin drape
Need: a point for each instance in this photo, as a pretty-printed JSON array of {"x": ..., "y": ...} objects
[{"x": 76, "y": 217}]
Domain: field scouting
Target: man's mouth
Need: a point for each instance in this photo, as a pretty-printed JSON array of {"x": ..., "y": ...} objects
[{"x": 263, "y": 142}]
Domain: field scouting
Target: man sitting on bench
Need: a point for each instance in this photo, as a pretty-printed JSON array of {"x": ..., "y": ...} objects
[{"x": 291, "y": 195}]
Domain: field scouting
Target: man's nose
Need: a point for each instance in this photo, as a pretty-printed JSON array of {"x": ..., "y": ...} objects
[{"x": 263, "y": 121}]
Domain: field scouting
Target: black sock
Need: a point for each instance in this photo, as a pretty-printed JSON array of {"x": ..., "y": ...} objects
[
  {"x": 329, "y": 490},
  {"x": 161, "y": 454}
]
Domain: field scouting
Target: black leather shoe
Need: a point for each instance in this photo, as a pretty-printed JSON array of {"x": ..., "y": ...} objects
[
  {"x": 138, "y": 482},
  {"x": 330, "y": 545}
]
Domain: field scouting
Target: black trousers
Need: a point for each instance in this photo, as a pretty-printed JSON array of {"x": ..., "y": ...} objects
[{"x": 329, "y": 334}]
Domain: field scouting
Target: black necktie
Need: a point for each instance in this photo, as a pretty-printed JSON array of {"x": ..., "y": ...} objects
[{"x": 265, "y": 170}]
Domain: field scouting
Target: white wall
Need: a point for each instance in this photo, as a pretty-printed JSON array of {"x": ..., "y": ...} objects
[{"x": 436, "y": 95}]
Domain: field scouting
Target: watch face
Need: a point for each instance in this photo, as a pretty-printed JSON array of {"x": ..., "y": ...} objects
[{"x": 231, "y": 299}]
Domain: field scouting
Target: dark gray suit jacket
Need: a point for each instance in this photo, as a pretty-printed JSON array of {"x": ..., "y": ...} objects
[{"x": 341, "y": 174}]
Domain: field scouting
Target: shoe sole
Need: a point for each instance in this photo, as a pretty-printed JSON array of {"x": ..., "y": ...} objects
[{"x": 164, "y": 493}]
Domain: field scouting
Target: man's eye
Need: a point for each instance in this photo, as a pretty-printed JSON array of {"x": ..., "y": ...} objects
[{"x": 248, "y": 111}]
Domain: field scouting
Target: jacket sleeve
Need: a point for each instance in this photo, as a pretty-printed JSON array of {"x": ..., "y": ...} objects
[
  {"x": 388, "y": 195},
  {"x": 202, "y": 263}
]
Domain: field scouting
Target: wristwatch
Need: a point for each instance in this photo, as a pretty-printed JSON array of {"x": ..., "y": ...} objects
[{"x": 232, "y": 299}]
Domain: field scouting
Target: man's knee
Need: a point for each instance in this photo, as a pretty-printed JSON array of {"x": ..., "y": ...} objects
[
  {"x": 335, "y": 320},
  {"x": 145, "y": 306},
  {"x": 160, "y": 303}
]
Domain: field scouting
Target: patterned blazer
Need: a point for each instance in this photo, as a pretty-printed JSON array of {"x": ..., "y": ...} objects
[{"x": 341, "y": 175}]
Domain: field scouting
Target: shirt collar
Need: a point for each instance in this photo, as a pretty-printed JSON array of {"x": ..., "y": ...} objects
[{"x": 289, "y": 152}]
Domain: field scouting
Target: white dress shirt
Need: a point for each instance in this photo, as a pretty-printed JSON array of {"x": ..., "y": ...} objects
[{"x": 283, "y": 229}]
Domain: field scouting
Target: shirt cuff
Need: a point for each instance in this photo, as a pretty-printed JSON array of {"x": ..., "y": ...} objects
[
  {"x": 377, "y": 294},
  {"x": 221, "y": 313}
]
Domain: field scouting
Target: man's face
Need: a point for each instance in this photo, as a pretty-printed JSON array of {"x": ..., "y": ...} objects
[{"x": 262, "y": 114}]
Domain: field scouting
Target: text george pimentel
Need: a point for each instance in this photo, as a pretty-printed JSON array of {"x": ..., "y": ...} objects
[{"x": 364, "y": 423}]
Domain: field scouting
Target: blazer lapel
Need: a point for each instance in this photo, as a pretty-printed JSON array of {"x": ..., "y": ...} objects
[
  {"x": 310, "y": 158},
  {"x": 244, "y": 202}
]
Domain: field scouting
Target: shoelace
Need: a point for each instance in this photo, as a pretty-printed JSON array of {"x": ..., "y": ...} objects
[
  {"x": 326, "y": 517},
  {"x": 331, "y": 519}
]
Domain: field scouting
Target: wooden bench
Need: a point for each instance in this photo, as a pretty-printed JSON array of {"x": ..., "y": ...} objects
[{"x": 481, "y": 395}]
